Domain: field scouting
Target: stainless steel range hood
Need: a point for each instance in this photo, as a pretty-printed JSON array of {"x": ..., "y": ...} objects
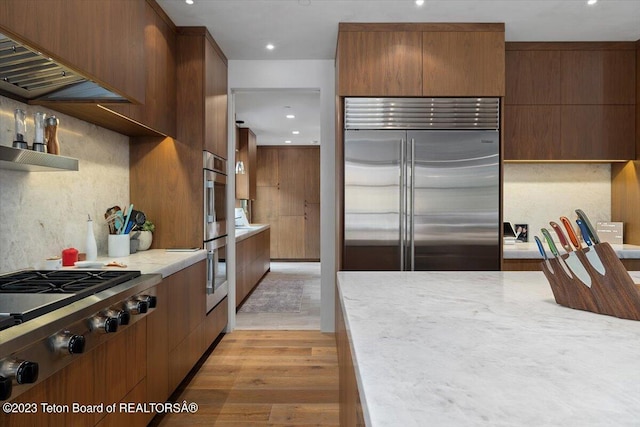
[{"x": 29, "y": 75}]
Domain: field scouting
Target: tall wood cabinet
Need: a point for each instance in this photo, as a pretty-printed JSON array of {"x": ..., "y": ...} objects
[
  {"x": 288, "y": 199},
  {"x": 247, "y": 154},
  {"x": 202, "y": 91},
  {"x": 420, "y": 60},
  {"x": 570, "y": 101}
]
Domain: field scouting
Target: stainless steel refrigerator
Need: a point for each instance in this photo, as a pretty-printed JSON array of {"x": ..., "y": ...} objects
[{"x": 421, "y": 184}]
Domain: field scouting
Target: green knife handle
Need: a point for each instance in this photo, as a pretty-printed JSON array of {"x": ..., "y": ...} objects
[{"x": 550, "y": 242}]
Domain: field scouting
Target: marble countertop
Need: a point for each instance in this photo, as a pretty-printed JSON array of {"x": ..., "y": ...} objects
[
  {"x": 246, "y": 232},
  {"x": 486, "y": 349},
  {"x": 529, "y": 250},
  {"x": 157, "y": 261}
]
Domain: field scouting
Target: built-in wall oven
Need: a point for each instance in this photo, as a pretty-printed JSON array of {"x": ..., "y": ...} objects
[{"x": 215, "y": 227}]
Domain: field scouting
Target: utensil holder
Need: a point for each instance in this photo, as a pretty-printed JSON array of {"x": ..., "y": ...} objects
[
  {"x": 612, "y": 293},
  {"x": 119, "y": 245}
]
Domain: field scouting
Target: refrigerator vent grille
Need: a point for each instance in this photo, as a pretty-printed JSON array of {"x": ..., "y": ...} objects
[{"x": 422, "y": 113}]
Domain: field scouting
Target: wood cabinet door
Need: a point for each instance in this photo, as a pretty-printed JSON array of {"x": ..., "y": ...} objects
[
  {"x": 291, "y": 237},
  {"x": 312, "y": 175},
  {"x": 103, "y": 40},
  {"x": 598, "y": 77},
  {"x": 598, "y": 132},
  {"x": 379, "y": 63},
  {"x": 292, "y": 182},
  {"x": 312, "y": 231},
  {"x": 267, "y": 167},
  {"x": 215, "y": 114},
  {"x": 533, "y": 77},
  {"x": 159, "y": 109},
  {"x": 158, "y": 348},
  {"x": 532, "y": 132},
  {"x": 467, "y": 63},
  {"x": 246, "y": 183}
]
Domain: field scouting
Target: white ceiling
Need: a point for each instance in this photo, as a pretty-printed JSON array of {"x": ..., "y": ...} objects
[{"x": 307, "y": 29}]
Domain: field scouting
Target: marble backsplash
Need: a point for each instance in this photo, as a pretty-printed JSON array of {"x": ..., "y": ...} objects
[
  {"x": 537, "y": 193},
  {"x": 41, "y": 213}
]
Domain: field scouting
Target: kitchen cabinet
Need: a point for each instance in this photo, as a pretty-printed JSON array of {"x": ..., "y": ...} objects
[
  {"x": 202, "y": 91},
  {"x": 159, "y": 109},
  {"x": 247, "y": 152},
  {"x": 252, "y": 262},
  {"x": 420, "y": 60},
  {"x": 379, "y": 63},
  {"x": 463, "y": 63},
  {"x": 570, "y": 101},
  {"x": 288, "y": 199}
]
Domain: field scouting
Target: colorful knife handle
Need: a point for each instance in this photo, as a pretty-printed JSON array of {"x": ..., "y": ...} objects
[
  {"x": 592, "y": 231},
  {"x": 571, "y": 232},
  {"x": 550, "y": 242},
  {"x": 563, "y": 240},
  {"x": 585, "y": 231},
  {"x": 541, "y": 248}
]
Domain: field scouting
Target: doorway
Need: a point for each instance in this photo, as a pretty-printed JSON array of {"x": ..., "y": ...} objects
[{"x": 285, "y": 124}]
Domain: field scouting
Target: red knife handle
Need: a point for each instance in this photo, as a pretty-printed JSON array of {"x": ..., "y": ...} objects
[
  {"x": 563, "y": 240},
  {"x": 571, "y": 232}
]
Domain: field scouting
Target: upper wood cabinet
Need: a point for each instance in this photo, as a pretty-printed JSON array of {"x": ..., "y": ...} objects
[
  {"x": 420, "y": 60},
  {"x": 463, "y": 63},
  {"x": 102, "y": 40},
  {"x": 379, "y": 63},
  {"x": 202, "y": 91},
  {"x": 570, "y": 101},
  {"x": 246, "y": 182},
  {"x": 159, "y": 109}
]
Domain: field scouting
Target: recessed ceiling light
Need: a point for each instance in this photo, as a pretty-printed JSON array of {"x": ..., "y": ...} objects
[
  {"x": 290, "y": 116},
  {"x": 592, "y": 2},
  {"x": 270, "y": 46},
  {"x": 188, "y": 1},
  {"x": 288, "y": 141},
  {"x": 296, "y": 132},
  {"x": 419, "y": 2}
]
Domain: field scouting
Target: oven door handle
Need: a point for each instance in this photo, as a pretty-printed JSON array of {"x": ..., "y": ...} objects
[
  {"x": 210, "y": 272},
  {"x": 210, "y": 210}
]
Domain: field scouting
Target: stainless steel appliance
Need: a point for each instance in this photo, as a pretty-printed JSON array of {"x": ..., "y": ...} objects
[
  {"x": 49, "y": 316},
  {"x": 215, "y": 227},
  {"x": 421, "y": 184}
]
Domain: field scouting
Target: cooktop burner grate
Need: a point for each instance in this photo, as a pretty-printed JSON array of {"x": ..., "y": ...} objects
[{"x": 79, "y": 282}]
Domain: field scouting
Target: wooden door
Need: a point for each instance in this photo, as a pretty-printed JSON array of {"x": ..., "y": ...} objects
[
  {"x": 533, "y": 77},
  {"x": 215, "y": 114},
  {"x": 292, "y": 181},
  {"x": 312, "y": 231}
]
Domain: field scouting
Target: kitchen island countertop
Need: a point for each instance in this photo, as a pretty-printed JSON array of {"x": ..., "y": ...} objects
[{"x": 485, "y": 349}]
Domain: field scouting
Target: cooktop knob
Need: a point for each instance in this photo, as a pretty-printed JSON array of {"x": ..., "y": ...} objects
[
  {"x": 67, "y": 343},
  {"x": 151, "y": 300},
  {"x": 5, "y": 388},
  {"x": 23, "y": 371},
  {"x": 134, "y": 306},
  {"x": 103, "y": 324},
  {"x": 123, "y": 316}
]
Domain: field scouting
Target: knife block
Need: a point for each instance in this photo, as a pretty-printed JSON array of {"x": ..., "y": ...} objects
[{"x": 613, "y": 293}]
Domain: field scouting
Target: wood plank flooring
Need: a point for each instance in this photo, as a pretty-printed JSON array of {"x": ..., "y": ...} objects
[{"x": 263, "y": 378}]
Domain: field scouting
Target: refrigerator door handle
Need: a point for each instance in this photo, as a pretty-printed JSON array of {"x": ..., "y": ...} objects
[
  {"x": 401, "y": 211},
  {"x": 412, "y": 194}
]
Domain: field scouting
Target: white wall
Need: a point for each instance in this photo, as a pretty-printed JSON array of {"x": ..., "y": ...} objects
[
  {"x": 42, "y": 213},
  {"x": 535, "y": 194},
  {"x": 309, "y": 74}
]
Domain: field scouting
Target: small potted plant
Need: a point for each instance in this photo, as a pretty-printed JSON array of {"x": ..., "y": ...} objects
[{"x": 146, "y": 235}]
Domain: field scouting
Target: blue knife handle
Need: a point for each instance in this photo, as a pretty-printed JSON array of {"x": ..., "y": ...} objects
[
  {"x": 540, "y": 247},
  {"x": 585, "y": 231}
]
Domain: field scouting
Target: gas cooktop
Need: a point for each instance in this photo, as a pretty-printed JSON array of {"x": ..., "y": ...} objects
[{"x": 28, "y": 294}]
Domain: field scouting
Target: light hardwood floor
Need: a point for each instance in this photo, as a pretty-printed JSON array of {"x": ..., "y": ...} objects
[{"x": 263, "y": 378}]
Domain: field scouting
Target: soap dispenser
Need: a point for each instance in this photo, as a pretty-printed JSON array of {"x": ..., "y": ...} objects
[{"x": 91, "y": 249}]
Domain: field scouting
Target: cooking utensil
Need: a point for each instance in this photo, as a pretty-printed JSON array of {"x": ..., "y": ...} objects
[
  {"x": 555, "y": 252},
  {"x": 126, "y": 221},
  {"x": 591, "y": 231},
  {"x": 543, "y": 253},
  {"x": 591, "y": 253},
  {"x": 572, "y": 259}
]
